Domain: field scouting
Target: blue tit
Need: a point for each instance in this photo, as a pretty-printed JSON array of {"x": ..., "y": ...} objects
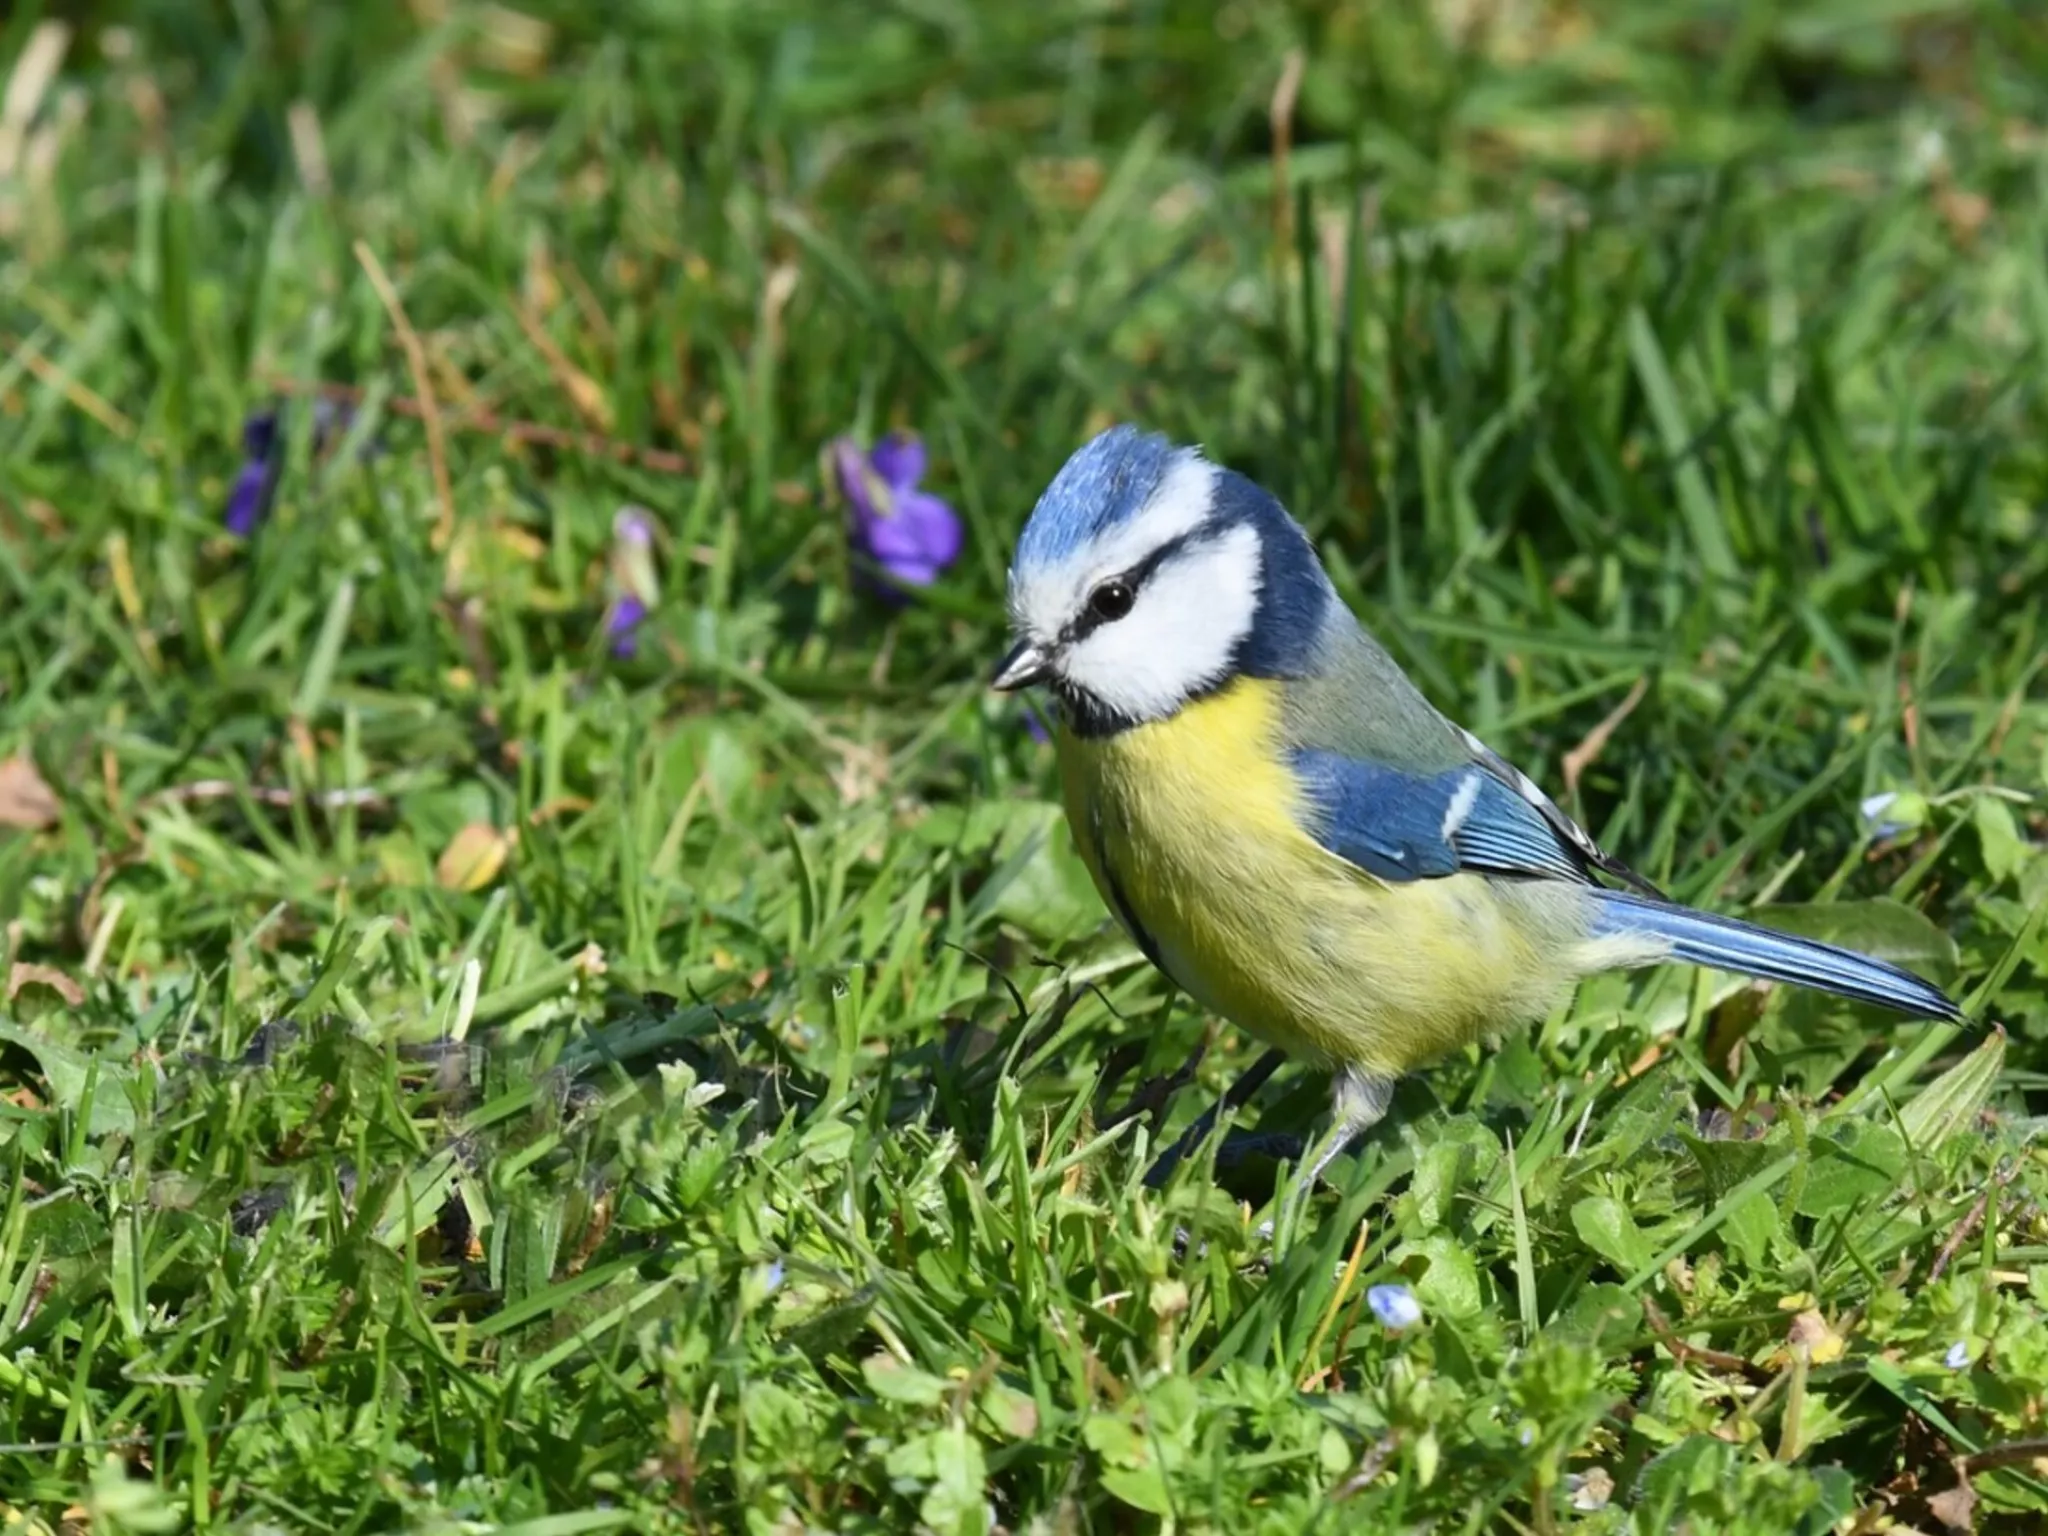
[{"x": 1281, "y": 821}]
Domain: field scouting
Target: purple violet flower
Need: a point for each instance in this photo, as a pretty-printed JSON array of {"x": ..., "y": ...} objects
[
  {"x": 256, "y": 482},
  {"x": 635, "y": 588},
  {"x": 1035, "y": 724},
  {"x": 626, "y": 615},
  {"x": 908, "y": 535},
  {"x": 263, "y": 446}
]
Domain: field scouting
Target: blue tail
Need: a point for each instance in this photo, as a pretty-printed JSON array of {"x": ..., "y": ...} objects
[{"x": 1701, "y": 938}]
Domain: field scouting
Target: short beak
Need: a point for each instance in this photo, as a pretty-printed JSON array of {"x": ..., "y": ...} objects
[{"x": 1025, "y": 665}]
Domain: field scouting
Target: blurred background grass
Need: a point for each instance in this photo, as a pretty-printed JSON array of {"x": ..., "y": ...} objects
[{"x": 460, "y": 1073}]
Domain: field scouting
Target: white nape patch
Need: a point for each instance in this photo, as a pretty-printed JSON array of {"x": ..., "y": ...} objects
[
  {"x": 1463, "y": 798},
  {"x": 1179, "y": 637},
  {"x": 1042, "y": 605}
]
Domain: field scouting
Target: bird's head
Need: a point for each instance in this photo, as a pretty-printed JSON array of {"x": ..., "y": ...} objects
[{"x": 1147, "y": 577}]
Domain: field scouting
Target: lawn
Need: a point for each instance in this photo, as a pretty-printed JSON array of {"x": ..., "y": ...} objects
[{"x": 539, "y": 994}]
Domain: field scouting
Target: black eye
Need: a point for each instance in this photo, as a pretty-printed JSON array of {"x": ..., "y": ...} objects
[{"x": 1112, "y": 600}]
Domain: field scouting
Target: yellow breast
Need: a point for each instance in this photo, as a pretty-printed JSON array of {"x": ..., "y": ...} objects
[{"x": 1191, "y": 829}]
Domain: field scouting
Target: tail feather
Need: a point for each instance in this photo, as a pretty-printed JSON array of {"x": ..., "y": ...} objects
[{"x": 1724, "y": 944}]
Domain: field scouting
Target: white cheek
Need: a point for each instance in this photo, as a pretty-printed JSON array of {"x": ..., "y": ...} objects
[{"x": 1180, "y": 636}]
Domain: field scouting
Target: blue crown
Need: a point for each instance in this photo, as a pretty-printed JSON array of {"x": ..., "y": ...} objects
[{"x": 1106, "y": 482}]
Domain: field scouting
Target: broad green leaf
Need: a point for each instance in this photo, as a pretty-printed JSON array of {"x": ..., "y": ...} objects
[
  {"x": 895, "y": 1382},
  {"x": 68, "y": 1070},
  {"x": 1131, "y": 1471},
  {"x": 1041, "y": 884},
  {"x": 1604, "y": 1316},
  {"x": 1607, "y": 1227},
  {"x": 1998, "y": 835},
  {"x": 400, "y": 861},
  {"x": 1012, "y": 1413},
  {"x": 957, "y": 1502},
  {"x": 1170, "y": 1408},
  {"x": 1752, "y": 1222},
  {"x": 1140, "y": 1487},
  {"x": 1695, "y": 1464},
  {"x": 1853, "y": 1163},
  {"x": 1459, "y": 1153},
  {"x": 1950, "y": 1103},
  {"x": 1446, "y": 1280},
  {"x": 1725, "y": 1164},
  {"x": 1116, "y": 1440},
  {"x": 65, "y": 1227}
]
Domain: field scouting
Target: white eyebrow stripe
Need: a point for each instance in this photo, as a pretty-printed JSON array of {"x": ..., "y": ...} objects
[{"x": 1177, "y": 507}]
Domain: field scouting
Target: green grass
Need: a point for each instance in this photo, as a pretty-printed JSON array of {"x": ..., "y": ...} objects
[{"x": 769, "y": 1183}]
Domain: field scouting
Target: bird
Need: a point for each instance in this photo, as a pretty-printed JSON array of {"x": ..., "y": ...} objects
[{"x": 1284, "y": 824}]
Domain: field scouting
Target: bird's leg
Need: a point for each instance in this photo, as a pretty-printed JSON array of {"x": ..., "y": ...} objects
[
  {"x": 1361, "y": 1102},
  {"x": 1358, "y": 1104},
  {"x": 1276, "y": 1146},
  {"x": 1253, "y": 1079}
]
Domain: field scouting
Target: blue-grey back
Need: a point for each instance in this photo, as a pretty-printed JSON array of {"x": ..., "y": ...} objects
[{"x": 1360, "y": 703}]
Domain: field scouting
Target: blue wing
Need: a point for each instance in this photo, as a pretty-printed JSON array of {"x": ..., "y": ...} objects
[{"x": 1402, "y": 826}]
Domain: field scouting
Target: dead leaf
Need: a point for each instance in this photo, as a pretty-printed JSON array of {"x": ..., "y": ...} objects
[
  {"x": 1956, "y": 1508},
  {"x": 473, "y": 858},
  {"x": 22, "y": 974},
  {"x": 513, "y": 43},
  {"x": 1581, "y": 757},
  {"x": 25, "y": 800},
  {"x": 1595, "y": 1490},
  {"x": 1649, "y": 1057},
  {"x": 1964, "y": 212},
  {"x": 561, "y": 805},
  {"x": 860, "y": 772},
  {"x": 1070, "y": 184},
  {"x": 1583, "y": 136}
]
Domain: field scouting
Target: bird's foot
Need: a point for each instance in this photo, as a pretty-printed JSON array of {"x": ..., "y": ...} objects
[
  {"x": 1253, "y": 1079},
  {"x": 1241, "y": 1147},
  {"x": 1255, "y": 1263}
]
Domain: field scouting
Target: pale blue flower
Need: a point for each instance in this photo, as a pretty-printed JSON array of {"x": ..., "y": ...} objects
[
  {"x": 1872, "y": 809},
  {"x": 1394, "y": 1305}
]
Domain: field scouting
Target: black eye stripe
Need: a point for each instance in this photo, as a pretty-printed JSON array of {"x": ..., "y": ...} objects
[{"x": 1088, "y": 620}]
